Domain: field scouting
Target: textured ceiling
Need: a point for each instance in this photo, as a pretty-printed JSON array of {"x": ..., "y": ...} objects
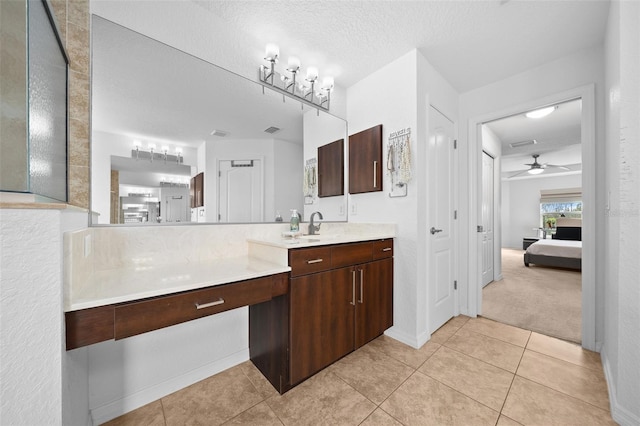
[{"x": 471, "y": 43}]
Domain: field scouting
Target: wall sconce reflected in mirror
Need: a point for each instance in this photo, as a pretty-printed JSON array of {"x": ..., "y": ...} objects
[{"x": 138, "y": 153}]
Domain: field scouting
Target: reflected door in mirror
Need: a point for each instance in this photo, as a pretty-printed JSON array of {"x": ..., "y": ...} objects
[
  {"x": 331, "y": 169},
  {"x": 365, "y": 161}
]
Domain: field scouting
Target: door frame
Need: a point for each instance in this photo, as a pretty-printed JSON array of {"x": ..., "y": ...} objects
[{"x": 588, "y": 140}]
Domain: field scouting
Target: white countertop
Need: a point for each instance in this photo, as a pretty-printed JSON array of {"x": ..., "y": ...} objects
[
  {"x": 123, "y": 285},
  {"x": 320, "y": 240}
]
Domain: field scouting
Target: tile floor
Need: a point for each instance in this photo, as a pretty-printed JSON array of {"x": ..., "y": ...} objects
[{"x": 472, "y": 372}]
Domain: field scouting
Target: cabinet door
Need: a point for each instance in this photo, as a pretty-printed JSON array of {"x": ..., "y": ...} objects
[
  {"x": 200, "y": 190},
  {"x": 192, "y": 192},
  {"x": 331, "y": 169},
  {"x": 322, "y": 321},
  {"x": 374, "y": 305},
  {"x": 365, "y": 161}
]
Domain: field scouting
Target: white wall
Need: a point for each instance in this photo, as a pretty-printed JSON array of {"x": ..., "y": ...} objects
[
  {"x": 397, "y": 103},
  {"x": 565, "y": 74},
  {"x": 36, "y": 372},
  {"x": 621, "y": 351},
  {"x": 318, "y": 131},
  {"x": 287, "y": 179},
  {"x": 523, "y": 207}
]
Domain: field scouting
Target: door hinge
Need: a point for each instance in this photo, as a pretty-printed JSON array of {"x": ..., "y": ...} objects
[
  {"x": 219, "y": 216},
  {"x": 455, "y": 285},
  {"x": 219, "y": 174},
  {"x": 455, "y": 214},
  {"x": 455, "y": 144}
]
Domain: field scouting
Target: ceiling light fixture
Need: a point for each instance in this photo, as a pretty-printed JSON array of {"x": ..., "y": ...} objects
[
  {"x": 305, "y": 91},
  {"x": 138, "y": 153},
  {"x": 535, "y": 171},
  {"x": 542, "y": 112}
]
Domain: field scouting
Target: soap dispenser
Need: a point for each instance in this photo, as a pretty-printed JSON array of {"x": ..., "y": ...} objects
[{"x": 295, "y": 221}]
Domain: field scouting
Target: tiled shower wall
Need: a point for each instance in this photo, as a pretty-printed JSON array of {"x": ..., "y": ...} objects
[{"x": 72, "y": 17}]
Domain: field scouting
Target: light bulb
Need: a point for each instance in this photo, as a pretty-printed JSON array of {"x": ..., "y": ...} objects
[
  {"x": 165, "y": 149},
  {"x": 312, "y": 73},
  {"x": 327, "y": 83},
  {"x": 535, "y": 171},
  {"x": 272, "y": 52},
  {"x": 293, "y": 64}
]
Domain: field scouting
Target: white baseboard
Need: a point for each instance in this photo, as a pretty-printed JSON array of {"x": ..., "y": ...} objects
[
  {"x": 128, "y": 403},
  {"x": 413, "y": 341},
  {"x": 620, "y": 414}
]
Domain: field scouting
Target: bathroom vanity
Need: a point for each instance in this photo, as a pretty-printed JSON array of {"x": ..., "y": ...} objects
[{"x": 311, "y": 300}]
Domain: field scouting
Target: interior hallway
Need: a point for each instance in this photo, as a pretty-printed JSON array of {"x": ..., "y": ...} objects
[{"x": 471, "y": 372}]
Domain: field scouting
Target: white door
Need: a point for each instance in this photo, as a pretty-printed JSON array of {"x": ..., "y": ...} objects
[
  {"x": 441, "y": 232},
  {"x": 175, "y": 208},
  {"x": 487, "y": 218},
  {"x": 240, "y": 191}
]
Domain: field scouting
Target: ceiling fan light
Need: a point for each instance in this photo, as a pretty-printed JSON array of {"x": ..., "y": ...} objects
[
  {"x": 535, "y": 171},
  {"x": 542, "y": 112}
]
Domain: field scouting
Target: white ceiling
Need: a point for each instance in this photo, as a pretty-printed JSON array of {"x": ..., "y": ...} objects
[
  {"x": 557, "y": 136},
  {"x": 472, "y": 43}
]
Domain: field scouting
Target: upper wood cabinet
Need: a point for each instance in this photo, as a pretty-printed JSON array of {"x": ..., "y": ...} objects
[
  {"x": 365, "y": 161},
  {"x": 331, "y": 169},
  {"x": 196, "y": 190}
]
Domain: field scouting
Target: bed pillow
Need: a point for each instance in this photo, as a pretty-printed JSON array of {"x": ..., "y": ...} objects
[{"x": 573, "y": 233}]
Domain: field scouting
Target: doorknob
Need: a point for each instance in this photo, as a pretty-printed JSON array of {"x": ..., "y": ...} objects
[{"x": 435, "y": 231}]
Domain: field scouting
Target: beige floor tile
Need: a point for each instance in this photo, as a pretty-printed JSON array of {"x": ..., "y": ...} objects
[
  {"x": 506, "y": 333},
  {"x": 372, "y": 373},
  {"x": 211, "y": 401},
  {"x": 487, "y": 349},
  {"x": 506, "y": 421},
  {"x": 404, "y": 353},
  {"x": 422, "y": 400},
  {"x": 565, "y": 351},
  {"x": 324, "y": 399},
  {"x": 481, "y": 381},
  {"x": 449, "y": 328},
  {"x": 258, "y": 380},
  {"x": 259, "y": 414},
  {"x": 532, "y": 404},
  {"x": 582, "y": 383},
  {"x": 380, "y": 418},
  {"x": 147, "y": 415}
]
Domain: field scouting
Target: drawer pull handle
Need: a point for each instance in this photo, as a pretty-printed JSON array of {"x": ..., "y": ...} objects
[
  {"x": 361, "y": 286},
  {"x": 314, "y": 261},
  {"x": 353, "y": 288},
  {"x": 386, "y": 249},
  {"x": 375, "y": 166},
  {"x": 210, "y": 304}
]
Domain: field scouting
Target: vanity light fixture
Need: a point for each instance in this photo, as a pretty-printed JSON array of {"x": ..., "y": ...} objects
[
  {"x": 542, "y": 112},
  {"x": 304, "y": 91},
  {"x": 149, "y": 153}
]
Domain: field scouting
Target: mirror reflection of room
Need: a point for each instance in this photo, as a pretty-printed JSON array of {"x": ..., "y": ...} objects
[{"x": 161, "y": 118}]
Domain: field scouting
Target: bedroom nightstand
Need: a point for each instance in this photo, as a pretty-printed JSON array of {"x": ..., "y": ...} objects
[{"x": 527, "y": 241}]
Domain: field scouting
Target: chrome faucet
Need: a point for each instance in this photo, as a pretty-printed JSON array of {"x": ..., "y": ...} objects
[{"x": 314, "y": 228}]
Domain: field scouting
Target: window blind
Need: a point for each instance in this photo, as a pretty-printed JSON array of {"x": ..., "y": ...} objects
[{"x": 558, "y": 195}]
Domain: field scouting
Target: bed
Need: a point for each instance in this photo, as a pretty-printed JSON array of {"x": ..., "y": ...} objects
[{"x": 564, "y": 250}]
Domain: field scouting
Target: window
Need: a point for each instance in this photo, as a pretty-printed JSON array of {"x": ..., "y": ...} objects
[{"x": 559, "y": 203}]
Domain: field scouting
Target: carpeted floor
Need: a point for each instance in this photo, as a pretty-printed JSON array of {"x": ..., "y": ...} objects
[{"x": 542, "y": 299}]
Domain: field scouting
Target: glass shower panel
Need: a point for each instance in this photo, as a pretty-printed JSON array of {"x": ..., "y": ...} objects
[{"x": 47, "y": 107}]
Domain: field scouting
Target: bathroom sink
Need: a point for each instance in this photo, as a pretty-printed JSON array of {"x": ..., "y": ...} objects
[{"x": 317, "y": 237}]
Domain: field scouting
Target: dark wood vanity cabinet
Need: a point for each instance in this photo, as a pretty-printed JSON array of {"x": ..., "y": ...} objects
[
  {"x": 331, "y": 169},
  {"x": 343, "y": 302},
  {"x": 365, "y": 161},
  {"x": 196, "y": 190}
]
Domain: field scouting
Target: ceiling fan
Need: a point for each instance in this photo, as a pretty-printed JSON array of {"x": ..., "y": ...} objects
[{"x": 536, "y": 168}]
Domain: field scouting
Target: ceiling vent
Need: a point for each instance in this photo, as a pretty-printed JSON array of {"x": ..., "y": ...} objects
[
  {"x": 272, "y": 130},
  {"x": 220, "y": 133},
  {"x": 523, "y": 143}
]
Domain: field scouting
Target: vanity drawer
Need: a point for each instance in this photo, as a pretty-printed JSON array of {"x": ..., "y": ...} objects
[
  {"x": 310, "y": 260},
  {"x": 152, "y": 314},
  {"x": 351, "y": 254},
  {"x": 382, "y": 249}
]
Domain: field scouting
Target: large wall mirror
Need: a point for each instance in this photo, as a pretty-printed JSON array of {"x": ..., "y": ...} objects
[{"x": 176, "y": 139}]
